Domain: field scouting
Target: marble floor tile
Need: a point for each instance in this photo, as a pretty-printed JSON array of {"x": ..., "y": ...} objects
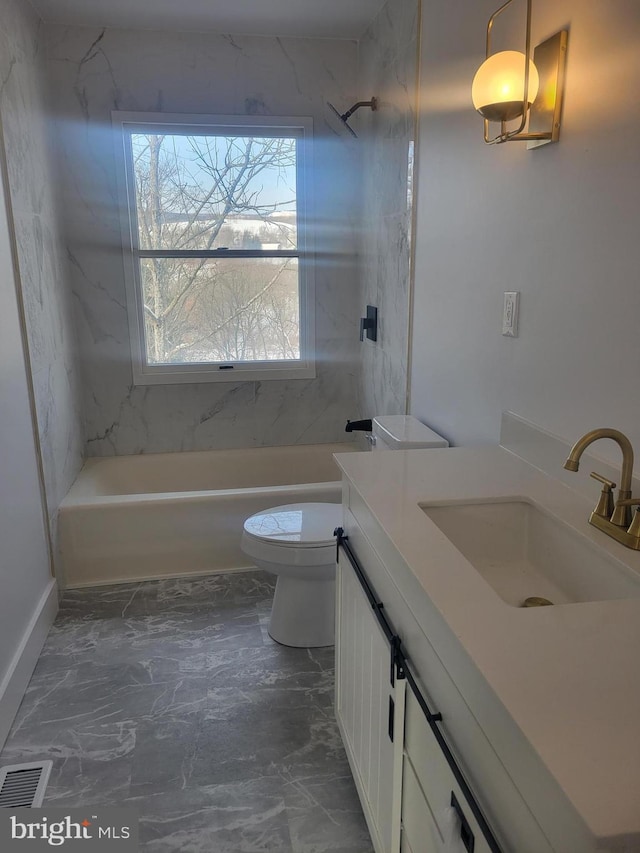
[
  {"x": 79, "y": 780},
  {"x": 164, "y": 756},
  {"x": 243, "y": 817},
  {"x": 325, "y": 814},
  {"x": 170, "y": 697},
  {"x": 69, "y": 644},
  {"x": 263, "y": 732},
  {"x": 234, "y": 587},
  {"x": 108, "y": 602}
]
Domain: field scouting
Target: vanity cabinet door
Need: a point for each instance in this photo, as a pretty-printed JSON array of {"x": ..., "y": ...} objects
[
  {"x": 420, "y": 831},
  {"x": 369, "y": 709},
  {"x": 428, "y": 789}
]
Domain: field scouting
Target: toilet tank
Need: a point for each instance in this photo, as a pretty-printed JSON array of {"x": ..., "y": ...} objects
[{"x": 403, "y": 432}]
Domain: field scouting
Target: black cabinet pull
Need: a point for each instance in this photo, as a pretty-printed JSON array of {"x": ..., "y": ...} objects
[
  {"x": 466, "y": 836},
  {"x": 392, "y": 717}
]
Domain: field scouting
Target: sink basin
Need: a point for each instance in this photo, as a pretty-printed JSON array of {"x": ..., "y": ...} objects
[{"x": 522, "y": 551}]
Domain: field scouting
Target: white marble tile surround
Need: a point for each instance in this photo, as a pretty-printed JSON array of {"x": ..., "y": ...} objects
[
  {"x": 40, "y": 251},
  {"x": 93, "y": 71},
  {"x": 388, "y": 70}
]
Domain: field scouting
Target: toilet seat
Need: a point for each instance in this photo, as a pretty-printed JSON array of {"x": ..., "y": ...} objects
[
  {"x": 302, "y": 525},
  {"x": 294, "y": 534}
]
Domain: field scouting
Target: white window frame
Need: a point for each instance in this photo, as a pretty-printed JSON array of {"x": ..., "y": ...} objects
[{"x": 126, "y": 123}]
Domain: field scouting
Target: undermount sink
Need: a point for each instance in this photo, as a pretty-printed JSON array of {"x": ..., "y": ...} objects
[{"x": 522, "y": 552}]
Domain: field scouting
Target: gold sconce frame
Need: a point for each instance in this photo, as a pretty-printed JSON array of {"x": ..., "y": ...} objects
[{"x": 543, "y": 114}]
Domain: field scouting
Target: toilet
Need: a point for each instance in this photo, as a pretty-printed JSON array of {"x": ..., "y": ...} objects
[{"x": 295, "y": 542}]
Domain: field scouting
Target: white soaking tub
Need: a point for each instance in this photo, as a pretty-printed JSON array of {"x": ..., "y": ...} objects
[{"x": 130, "y": 518}]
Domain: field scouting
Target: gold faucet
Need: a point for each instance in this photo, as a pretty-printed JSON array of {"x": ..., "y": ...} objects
[{"x": 615, "y": 521}]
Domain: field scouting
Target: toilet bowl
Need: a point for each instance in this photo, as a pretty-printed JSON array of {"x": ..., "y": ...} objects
[{"x": 296, "y": 543}]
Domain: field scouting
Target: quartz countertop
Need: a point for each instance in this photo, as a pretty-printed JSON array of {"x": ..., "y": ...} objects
[{"x": 568, "y": 675}]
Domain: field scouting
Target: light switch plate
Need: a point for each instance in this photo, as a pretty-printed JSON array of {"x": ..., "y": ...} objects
[{"x": 510, "y": 309}]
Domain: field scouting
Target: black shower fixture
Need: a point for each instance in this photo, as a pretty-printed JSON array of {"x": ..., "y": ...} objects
[
  {"x": 369, "y": 324},
  {"x": 344, "y": 117}
]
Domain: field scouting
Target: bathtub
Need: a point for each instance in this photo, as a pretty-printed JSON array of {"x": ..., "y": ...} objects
[{"x": 131, "y": 518}]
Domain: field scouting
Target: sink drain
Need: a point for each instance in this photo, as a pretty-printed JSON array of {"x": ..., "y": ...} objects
[{"x": 536, "y": 601}]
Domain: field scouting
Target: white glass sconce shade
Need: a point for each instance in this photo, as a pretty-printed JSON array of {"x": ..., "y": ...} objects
[{"x": 498, "y": 87}]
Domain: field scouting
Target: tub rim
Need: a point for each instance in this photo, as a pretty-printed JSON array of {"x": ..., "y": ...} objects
[{"x": 148, "y": 498}]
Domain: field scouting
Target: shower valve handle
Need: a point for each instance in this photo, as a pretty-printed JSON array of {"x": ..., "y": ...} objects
[{"x": 369, "y": 324}]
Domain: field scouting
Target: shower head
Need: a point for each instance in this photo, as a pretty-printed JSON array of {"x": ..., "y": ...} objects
[
  {"x": 344, "y": 117},
  {"x": 343, "y": 120}
]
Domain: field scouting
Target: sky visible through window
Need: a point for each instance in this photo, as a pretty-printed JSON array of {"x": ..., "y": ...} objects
[
  {"x": 274, "y": 188},
  {"x": 205, "y": 192}
]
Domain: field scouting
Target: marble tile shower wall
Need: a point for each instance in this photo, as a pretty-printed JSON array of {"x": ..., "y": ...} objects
[
  {"x": 94, "y": 71},
  {"x": 387, "y": 69},
  {"x": 40, "y": 250}
]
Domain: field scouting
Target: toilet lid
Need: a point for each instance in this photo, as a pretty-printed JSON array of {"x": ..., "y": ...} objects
[{"x": 307, "y": 524}]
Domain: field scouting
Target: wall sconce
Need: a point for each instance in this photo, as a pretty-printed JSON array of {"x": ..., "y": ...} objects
[{"x": 510, "y": 85}]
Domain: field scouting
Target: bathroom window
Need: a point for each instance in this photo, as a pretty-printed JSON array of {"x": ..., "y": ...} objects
[{"x": 217, "y": 250}]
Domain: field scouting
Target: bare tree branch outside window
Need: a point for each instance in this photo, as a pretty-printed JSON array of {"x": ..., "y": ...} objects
[{"x": 217, "y": 246}]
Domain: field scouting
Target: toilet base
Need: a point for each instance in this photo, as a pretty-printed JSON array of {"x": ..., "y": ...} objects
[{"x": 303, "y": 612}]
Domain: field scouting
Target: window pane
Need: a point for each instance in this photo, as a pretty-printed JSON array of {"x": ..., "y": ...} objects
[
  {"x": 209, "y": 192},
  {"x": 220, "y": 310}
]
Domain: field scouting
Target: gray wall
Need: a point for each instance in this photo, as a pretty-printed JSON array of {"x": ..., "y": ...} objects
[
  {"x": 25, "y": 577},
  {"x": 41, "y": 254},
  {"x": 560, "y": 224},
  {"x": 93, "y": 72},
  {"x": 387, "y": 69}
]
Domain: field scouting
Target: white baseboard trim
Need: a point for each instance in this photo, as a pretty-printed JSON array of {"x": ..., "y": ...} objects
[{"x": 14, "y": 683}]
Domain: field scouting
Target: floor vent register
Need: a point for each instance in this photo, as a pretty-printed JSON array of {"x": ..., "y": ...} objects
[{"x": 22, "y": 786}]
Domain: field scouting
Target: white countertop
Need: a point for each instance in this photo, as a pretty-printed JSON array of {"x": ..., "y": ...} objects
[{"x": 568, "y": 675}]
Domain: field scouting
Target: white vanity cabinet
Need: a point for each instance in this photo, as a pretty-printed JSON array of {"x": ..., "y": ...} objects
[
  {"x": 540, "y": 707},
  {"x": 407, "y": 786},
  {"x": 369, "y": 708}
]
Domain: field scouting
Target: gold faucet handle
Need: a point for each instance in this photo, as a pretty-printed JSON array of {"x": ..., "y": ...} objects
[
  {"x": 634, "y": 527},
  {"x": 605, "y": 505},
  {"x": 601, "y": 479}
]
